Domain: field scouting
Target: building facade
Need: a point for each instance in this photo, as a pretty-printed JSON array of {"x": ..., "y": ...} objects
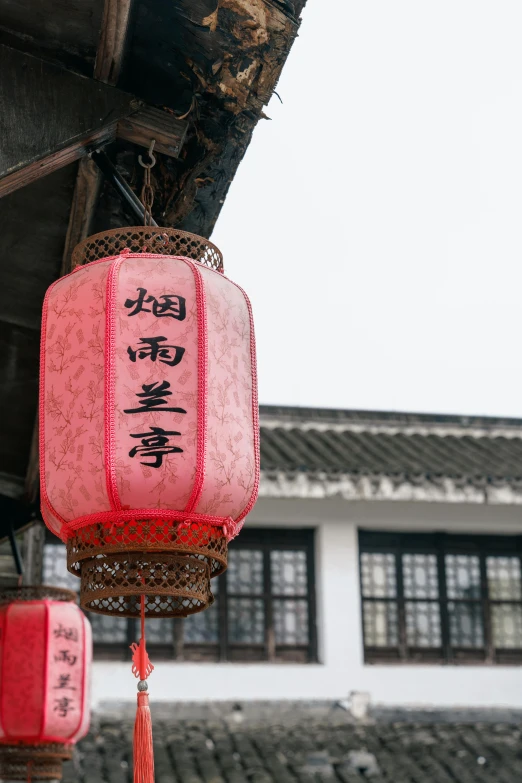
[{"x": 381, "y": 565}]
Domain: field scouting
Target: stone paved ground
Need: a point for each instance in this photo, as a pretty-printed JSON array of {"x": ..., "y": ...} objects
[{"x": 296, "y": 746}]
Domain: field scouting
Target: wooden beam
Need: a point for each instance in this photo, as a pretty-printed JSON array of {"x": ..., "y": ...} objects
[
  {"x": 31, "y": 171},
  {"x": 48, "y": 116},
  {"x": 111, "y": 49},
  {"x": 85, "y": 198},
  {"x": 149, "y": 123},
  {"x": 32, "y": 552}
]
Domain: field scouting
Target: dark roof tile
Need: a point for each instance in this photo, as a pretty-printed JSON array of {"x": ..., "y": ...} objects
[
  {"x": 316, "y": 441},
  {"x": 287, "y": 748}
]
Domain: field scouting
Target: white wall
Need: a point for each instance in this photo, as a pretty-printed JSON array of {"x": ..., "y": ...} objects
[{"x": 342, "y": 668}]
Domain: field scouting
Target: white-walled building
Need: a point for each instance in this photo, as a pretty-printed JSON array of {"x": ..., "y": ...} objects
[{"x": 382, "y": 562}]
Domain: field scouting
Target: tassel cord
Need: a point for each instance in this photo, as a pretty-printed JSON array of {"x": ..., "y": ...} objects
[{"x": 142, "y": 745}]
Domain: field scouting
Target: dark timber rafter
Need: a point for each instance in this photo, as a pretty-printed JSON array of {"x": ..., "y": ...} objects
[
  {"x": 111, "y": 49},
  {"x": 51, "y": 117}
]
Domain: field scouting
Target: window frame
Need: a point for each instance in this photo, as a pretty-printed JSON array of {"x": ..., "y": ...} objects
[
  {"x": 440, "y": 545},
  {"x": 264, "y": 539},
  {"x": 259, "y": 538}
]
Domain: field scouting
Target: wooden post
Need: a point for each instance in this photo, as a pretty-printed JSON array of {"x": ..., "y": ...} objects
[
  {"x": 85, "y": 198},
  {"x": 113, "y": 38}
]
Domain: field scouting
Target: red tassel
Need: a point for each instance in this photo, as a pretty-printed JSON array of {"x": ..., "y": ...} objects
[{"x": 143, "y": 749}]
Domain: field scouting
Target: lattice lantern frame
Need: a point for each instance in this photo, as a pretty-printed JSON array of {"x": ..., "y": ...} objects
[
  {"x": 45, "y": 653},
  {"x": 149, "y": 437}
]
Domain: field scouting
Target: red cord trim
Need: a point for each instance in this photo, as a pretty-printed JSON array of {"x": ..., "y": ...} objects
[
  {"x": 202, "y": 389},
  {"x": 45, "y": 671},
  {"x": 110, "y": 383},
  {"x": 255, "y": 415}
]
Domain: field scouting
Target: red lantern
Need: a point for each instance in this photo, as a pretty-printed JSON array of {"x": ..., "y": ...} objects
[
  {"x": 149, "y": 445},
  {"x": 148, "y": 420},
  {"x": 45, "y": 653}
]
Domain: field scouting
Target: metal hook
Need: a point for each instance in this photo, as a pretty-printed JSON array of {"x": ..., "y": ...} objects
[{"x": 151, "y": 156}]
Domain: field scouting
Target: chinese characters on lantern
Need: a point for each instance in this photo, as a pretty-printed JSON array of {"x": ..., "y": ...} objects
[
  {"x": 167, "y": 306},
  {"x": 66, "y": 660},
  {"x": 153, "y": 397},
  {"x": 151, "y": 348}
]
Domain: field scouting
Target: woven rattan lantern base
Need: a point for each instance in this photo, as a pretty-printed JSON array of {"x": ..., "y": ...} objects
[
  {"x": 36, "y": 593},
  {"x": 170, "y": 564},
  {"x": 173, "y": 585},
  {"x": 149, "y": 535},
  {"x": 34, "y": 762},
  {"x": 146, "y": 239}
]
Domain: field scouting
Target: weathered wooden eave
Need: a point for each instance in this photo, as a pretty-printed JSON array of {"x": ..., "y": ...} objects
[
  {"x": 219, "y": 63},
  {"x": 193, "y": 74},
  {"x": 214, "y": 64}
]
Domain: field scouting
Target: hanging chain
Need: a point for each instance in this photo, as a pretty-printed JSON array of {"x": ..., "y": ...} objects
[{"x": 147, "y": 191}]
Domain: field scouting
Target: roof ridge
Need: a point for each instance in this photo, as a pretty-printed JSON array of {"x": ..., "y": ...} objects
[{"x": 399, "y": 419}]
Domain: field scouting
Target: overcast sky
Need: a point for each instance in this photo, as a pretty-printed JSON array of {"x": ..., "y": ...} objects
[{"x": 376, "y": 221}]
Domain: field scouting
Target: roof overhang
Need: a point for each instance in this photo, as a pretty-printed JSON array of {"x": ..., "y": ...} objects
[
  {"x": 319, "y": 486},
  {"x": 112, "y": 74}
]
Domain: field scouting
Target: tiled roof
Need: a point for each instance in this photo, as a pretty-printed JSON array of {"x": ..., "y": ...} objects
[
  {"x": 290, "y": 749},
  {"x": 475, "y": 458}
]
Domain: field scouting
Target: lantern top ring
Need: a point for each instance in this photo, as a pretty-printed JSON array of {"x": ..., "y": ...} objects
[
  {"x": 36, "y": 593},
  {"x": 148, "y": 239}
]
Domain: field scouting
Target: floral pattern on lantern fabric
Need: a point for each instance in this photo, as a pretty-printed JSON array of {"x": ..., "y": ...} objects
[
  {"x": 73, "y": 393},
  {"x": 230, "y": 476}
]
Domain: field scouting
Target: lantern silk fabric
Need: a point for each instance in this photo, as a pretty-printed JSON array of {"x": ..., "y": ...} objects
[
  {"x": 148, "y": 397},
  {"x": 45, "y": 654}
]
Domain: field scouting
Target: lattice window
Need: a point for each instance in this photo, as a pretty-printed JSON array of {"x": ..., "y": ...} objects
[
  {"x": 441, "y": 597},
  {"x": 265, "y": 602},
  {"x": 264, "y": 606}
]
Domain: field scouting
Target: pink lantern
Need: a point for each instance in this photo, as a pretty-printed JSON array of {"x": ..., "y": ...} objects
[
  {"x": 148, "y": 419},
  {"x": 149, "y": 437},
  {"x": 45, "y": 654}
]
